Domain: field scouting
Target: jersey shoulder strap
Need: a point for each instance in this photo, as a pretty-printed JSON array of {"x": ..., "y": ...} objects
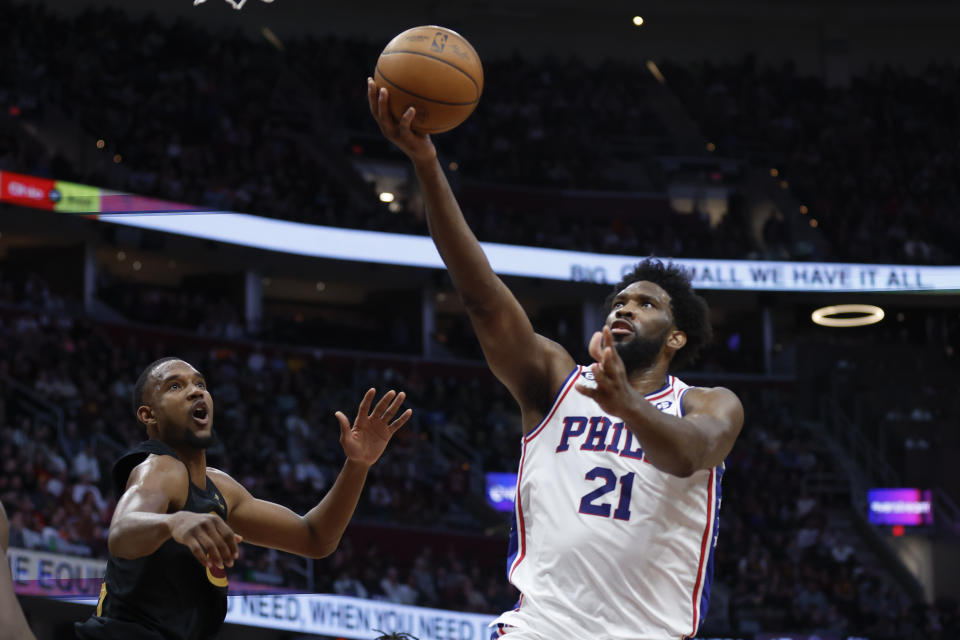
[{"x": 131, "y": 458}]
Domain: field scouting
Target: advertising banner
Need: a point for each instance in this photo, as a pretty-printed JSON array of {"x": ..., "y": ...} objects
[
  {"x": 39, "y": 573},
  {"x": 347, "y": 617},
  {"x": 910, "y": 507},
  {"x": 70, "y": 197},
  {"x": 501, "y": 490},
  {"x": 26, "y": 191},
  {"x": 535, "y": 262},
  {"x": 117, "y": 202}
]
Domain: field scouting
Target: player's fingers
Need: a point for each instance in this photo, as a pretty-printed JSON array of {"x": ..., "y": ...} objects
[
  {"x": 210, "y": 549},
  {"x": 609, "y": 367},
  {"x": 344, "y": 423},
  {"x": 222, "y": 556},
  {"x": 230, "y": 538},
  {"x": 594, "y": 349},
  {"x": 407, "y": 120},
  {"x": 599, "y": 373},
  {"x": 590, "y": 392},
  {"x": 607, "y": 337},
  {"x": 402, "y": 420},
  {"x": 394, "y": 406},
  {"x": 372, "y": 96},
  {"x": 381, "y": 408},
  {"x": 221, "y": 553},
  {"x": 226, "y": 551},
  {"x": 383, "y": 108},
  {"x": 197, "y": 550},
  {"x": 375, "y": 109},
  {"x": 364, "y": 410}
]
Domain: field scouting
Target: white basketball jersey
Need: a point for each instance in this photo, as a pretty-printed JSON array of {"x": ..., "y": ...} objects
[{"x": 605, "y": 545}]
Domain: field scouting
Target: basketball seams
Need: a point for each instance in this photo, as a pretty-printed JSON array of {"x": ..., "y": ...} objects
[
  {"x": 446, "y": 62},
  {"x": 424, "y": 98}
]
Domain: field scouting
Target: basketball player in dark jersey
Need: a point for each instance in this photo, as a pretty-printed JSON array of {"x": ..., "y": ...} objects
[
  {"x": 178, "y": 522},
  {"x": 13, "y": 626}
]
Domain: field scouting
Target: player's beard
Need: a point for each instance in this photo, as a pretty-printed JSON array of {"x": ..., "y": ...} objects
[
  {"x": 199, "y": 442},
  {"x": 640, "y": 352}
]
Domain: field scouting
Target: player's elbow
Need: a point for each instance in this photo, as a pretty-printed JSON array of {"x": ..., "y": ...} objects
[
  {"x": 317, "y": 543},
  {"x": 323, "y": 553},
  {"x": 681, "y": 469},
  {"x": 680, "y": 464},
  {"x": 321, "y": 550},
  {"x": 116, "y": 546}
]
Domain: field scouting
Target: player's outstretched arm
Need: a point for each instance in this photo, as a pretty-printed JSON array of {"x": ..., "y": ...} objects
[
  {"x": 701, "y": 439},
  {"x": 13, "y": 625},
  {"x": 317, "y": 534},
  {"x": 531, "y": 366},
  {"x": 141, "y": 523}
]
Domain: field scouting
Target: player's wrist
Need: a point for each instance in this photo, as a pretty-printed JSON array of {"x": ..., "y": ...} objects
[
  {"x": 425, "y": 160},
  {"x": 637, "y": 409},
  {"x": 356, "y": 465},
  {"x": 172, "y": 521}
]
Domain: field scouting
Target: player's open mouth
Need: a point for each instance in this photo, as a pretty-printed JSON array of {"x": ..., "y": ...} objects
[
  {"x": 621, "y": 328},
  {"x": 201, "y": 415}
]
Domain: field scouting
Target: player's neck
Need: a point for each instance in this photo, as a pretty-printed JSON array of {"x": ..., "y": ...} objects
[
  {"x": 649, "y": 379},
  {"x": 196, "y": 463}
]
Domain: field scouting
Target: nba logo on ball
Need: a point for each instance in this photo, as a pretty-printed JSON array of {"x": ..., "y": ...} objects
[
  {"x": 439, "y": 41},
  {"x": 434, "y": 70}
]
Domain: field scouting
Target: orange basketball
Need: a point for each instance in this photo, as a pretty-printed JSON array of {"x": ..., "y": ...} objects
[{"x": 436, "y": 71}]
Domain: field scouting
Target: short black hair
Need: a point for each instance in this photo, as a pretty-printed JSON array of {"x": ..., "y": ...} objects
[
  {"x": 142, "y": 381},
  {"x": 690, "y": 312}
]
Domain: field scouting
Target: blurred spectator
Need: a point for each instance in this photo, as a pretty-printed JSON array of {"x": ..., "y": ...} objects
[{"x": 347, "y": 585}]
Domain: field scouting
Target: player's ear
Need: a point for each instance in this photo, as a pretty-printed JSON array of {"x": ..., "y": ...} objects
[
  {"x": 676, "y": 340},
  {"x": 146, "y": 416}
]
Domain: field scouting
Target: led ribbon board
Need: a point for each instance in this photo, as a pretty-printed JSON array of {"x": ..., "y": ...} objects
[
  {"x": 418, "y": 251},
  {"x": 534, "y": 262}
]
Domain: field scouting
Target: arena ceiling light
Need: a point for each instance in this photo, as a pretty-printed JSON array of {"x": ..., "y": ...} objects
[{"x": 847, "y": 315}]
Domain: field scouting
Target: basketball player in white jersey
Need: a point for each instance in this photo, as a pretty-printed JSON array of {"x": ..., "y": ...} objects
[{"x": 619, "y": 479}]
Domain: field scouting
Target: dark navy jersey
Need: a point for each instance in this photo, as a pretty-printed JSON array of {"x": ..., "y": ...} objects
[{"x": 168, "y": 594}]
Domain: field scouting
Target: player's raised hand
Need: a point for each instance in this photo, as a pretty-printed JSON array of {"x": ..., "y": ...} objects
[
  {"x": 613, "y": 391},
  {"x": 365, "y": 441},
  {"x": 417, "y": 146}
]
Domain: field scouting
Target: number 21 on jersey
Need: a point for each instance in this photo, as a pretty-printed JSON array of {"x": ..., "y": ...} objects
[{"x": 591, "y": 503}]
